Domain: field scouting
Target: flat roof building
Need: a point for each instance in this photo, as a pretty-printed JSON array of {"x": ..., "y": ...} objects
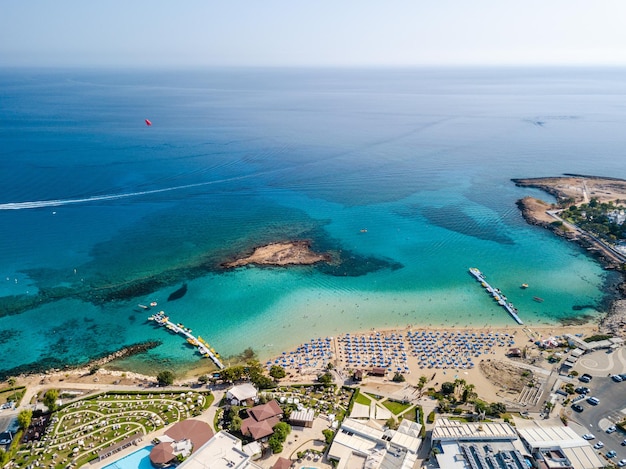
[
  {"x": 365, "y": 444},
  {"x": 223, "y": 451},
  {"x": 555, "y": 446},
  {"x": 477, "y": 445}
]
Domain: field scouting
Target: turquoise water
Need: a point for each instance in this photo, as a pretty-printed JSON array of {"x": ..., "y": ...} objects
[
  {"x": 421, "y": 159},
  {"x": 140, "y": 459}
]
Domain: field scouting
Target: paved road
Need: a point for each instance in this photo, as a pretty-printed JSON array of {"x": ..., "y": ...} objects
[{"x": 612, "y": 409}]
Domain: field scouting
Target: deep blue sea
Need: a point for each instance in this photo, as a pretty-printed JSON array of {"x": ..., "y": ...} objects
[{"x": 404, "y": 174}]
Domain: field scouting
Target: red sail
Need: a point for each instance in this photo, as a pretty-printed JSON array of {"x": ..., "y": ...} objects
[{"x": 148, "y": 123}]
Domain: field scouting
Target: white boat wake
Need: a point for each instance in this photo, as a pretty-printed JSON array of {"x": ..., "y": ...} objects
[{"x": 98, "y": 198}]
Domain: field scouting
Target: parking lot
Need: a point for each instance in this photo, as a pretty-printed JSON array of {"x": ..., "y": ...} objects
[{"x": 611, "y": 396}]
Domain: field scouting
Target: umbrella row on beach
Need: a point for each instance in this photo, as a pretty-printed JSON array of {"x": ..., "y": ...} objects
[
  {"x": 431, "y": 349},
  {"x": 376, "y": 350},
  {"x": 315, "y": 353}
]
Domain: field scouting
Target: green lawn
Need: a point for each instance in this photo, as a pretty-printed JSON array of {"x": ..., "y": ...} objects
[
  {"x": 396, "y": 408},
  {"x": 363, "y": 399},
  {"x": 78, "y": 431}
]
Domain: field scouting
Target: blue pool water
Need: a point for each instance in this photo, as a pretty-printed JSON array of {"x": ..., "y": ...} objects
[{"x": 140, "y": 459}]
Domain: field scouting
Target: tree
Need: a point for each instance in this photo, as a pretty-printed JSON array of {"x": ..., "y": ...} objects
[
  {"x": 263, "y": 382},
  {"x": 328, "y": 435},
  {"x": 468, "y": 393},
  {"x": 277, "y": 372},
  {"x": 398, "y": 378},
  {"x": 480, "y": 407},
  {"x": 422, "y": 382},
  {"x": 50, "y": 399},
  {"x": 232, "y": 374},
  {"x": 203, "y": 379},
  {"x": 392, "y": 424},
  {"x": 447, "y": 388},
  {"x": 24, "y": 418},
  {"x": 496, "y": 409},
  {"x": 235, "y": 424},
  {"x": 165, "y": 378},
  {"x": 282, "y": 429},
  {"x": 11, "y": 382},
  {"x": 326, "y": 379},
  {"x": 275, "y": 444}
]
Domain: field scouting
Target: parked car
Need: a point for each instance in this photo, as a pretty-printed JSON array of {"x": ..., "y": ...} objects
[
  {"x": 577, "y": 407},
  {"x": 586, "y": 378},
  {"x": 624, "y": 442},
  {"x": 582, "y": 390},
  {"x": 617, "y": 378},
  {"x": 611, "y": 429},
  {"x": 611, "y": 454},
  {"x": 593, "y": 400},
  {"x": 598, "y": 445},
  {"x": 588, "y": 436},
  {"x": 622, "y": 463}
]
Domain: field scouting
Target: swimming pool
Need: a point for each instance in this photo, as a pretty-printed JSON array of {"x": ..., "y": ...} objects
[{"x": 140, "y": 459}]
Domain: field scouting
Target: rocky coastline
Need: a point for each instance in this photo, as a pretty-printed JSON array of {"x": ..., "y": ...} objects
[
  {"x": 49, "y": 366},
  {"x": 578, "y": 189}
]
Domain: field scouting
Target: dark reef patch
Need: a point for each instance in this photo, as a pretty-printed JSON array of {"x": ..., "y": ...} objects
[
  {"x": 7, "y": 334},
  {"x": 354, "y": 265},
  {"x": 146, "y": 258},
  {"x": 575, "y": 320},
  {"x": 177, "y": 294},
  {"x": 454, "y": 218},
  {"x": 52, "y": 362}
]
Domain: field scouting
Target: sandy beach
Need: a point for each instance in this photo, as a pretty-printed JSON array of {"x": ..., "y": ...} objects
[
  {"x": 305, "y": 362},
  {"x": 490, "y": 348},
  {"x": 474, "y": 354}
]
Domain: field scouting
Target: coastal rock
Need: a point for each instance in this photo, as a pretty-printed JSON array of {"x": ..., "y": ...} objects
[
  {"x": 614, "y": 323},
  {"x": 577, "y": 189},
  {"x": 534, "y": 211},
  {"x": 281, "y": 254},
  {"x": 50, "y": 364}
]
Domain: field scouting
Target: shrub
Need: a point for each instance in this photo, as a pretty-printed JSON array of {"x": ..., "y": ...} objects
[
  {"x": 326, "y": 379},
  {"x": 165, "y": 378},
  {"x": 50, "y": 399},
  {"x": 597, "y": 337},
  {"x": 277, "y": 372},
  {"x": 431, "y": 417},
  {"x": 447, "y": 388},
  {"x": 328, "y": 435}
]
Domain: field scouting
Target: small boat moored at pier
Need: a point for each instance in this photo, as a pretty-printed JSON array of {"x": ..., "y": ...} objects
[
  {"x": 203, "y": 347},
  {"x": 496, "y": 294}
]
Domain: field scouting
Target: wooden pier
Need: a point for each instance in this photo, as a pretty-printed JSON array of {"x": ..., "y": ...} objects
[
  {"x": 497, "y": 294},
  {"x": 203, "y": 347}
]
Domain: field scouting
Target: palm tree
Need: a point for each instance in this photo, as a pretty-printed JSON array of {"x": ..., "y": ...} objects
[{"x": 468, "y": 393}]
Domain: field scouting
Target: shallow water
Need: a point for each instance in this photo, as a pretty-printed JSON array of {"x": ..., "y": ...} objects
[{"x": 421, "y": 159}]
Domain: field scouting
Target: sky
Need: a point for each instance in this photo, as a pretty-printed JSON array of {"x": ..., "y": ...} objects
[{"x": 293, "y": 33}]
